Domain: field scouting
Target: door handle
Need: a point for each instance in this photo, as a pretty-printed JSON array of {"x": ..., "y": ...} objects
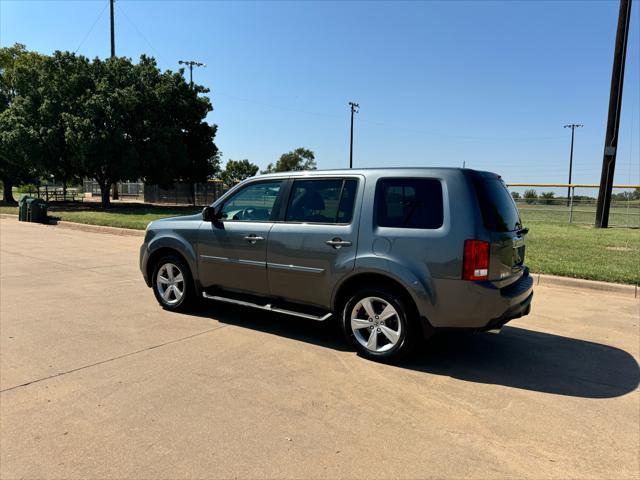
[
  {"x": 252, "y": 239},
  {"x": 338, "y": 243}
]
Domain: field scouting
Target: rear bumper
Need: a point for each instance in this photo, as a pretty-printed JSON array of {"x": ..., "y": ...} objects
[
  {"x": 516, "y": 311},
  {"x": 478, "y": 305}
]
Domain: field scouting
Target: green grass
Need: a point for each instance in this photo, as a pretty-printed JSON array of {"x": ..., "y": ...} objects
[
  {"x": 585, "y": 214},
  {"x": 136, "y": 216},
  {"x": 553, "y": 246},
  {"x": 581, "y": 251}
]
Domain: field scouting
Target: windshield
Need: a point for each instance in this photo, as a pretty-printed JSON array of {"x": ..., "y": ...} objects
[{"x": 499, "y": 211}]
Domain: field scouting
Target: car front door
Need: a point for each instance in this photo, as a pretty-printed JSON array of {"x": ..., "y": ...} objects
[
  {"x": 232, "y": 250},
  {"x": 315, "y": 246}
]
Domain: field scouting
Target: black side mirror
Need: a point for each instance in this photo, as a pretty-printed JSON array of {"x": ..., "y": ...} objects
[{"x": 209, "y": 214}]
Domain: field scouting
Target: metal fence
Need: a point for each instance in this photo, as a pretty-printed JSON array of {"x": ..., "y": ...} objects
[
  {"x": 183, "y": 193},
  {"x": 551, "y": 204},
  {"x": 126, "y": 189}
]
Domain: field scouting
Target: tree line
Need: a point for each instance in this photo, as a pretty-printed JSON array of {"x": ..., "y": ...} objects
[{"x": 65, "y": 117}]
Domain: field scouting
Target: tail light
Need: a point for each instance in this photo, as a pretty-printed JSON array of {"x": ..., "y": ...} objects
[{"x": 476, "y": 260}]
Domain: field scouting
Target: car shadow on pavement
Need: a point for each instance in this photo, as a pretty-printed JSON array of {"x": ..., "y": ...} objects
[
  {"x": 517, "y": 357},
  {"x": 531, "y": 360}
]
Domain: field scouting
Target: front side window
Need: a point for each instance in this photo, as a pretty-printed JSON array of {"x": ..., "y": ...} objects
[
  {"x": 322, "y": 201},
  {"x": 409, "y": 203},
  {"x": 253, "y": 203}
]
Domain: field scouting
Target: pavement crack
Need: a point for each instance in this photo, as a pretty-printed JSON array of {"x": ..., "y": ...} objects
[{"x": 102, "y": 362}]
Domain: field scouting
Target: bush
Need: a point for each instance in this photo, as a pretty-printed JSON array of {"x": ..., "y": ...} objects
[
  {"x": 547, "y": 197},
  {"x": 530, "y": 195}
]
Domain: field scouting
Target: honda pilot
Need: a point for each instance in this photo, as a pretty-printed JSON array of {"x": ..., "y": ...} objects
[{"x": 393, "y": 254}]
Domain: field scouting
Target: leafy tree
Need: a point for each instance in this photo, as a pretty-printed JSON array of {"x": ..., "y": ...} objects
[
  {"x": 530, "y": 195},
  {"x": 17, "y": 152},
  {"x": 237, "y": 170},
  {"x": 100, "y": 132},
  {"x": 515, "y": 195},
  {"x": 296, "y": 160},
  {"x": 138, "y": 122},
  {"x": 64, "y": 80}
]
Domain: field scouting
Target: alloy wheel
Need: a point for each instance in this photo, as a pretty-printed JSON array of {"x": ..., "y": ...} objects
[
  {"x": 376, "y": 325},
  {"x": 170, "y": 283}
]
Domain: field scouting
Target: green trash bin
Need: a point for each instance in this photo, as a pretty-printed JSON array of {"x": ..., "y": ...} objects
[
  {"x": 37, "y": 209},
  {"x": 23, "y": 208}
]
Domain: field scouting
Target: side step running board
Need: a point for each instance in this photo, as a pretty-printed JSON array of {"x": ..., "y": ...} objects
[{"x": 267, "y": 307}]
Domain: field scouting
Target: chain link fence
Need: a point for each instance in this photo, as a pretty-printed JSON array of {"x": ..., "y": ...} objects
[{"x": 550, "y": 203}]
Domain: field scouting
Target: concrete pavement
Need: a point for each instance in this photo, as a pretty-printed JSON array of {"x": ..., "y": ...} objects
[{"x": 97, "y": 381}]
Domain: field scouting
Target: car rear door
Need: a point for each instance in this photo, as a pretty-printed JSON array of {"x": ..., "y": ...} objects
[
  {"x": 314, "y": 247},
  {"x": 232, "y": 251}
]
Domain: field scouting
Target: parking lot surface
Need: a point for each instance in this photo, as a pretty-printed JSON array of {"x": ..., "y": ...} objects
[{"x": 97, "y": 381}]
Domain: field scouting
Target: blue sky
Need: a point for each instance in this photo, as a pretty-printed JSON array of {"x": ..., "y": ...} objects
[{"x": 439, "y": 83}]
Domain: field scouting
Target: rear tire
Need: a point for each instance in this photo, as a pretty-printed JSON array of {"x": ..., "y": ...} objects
[
  {"x": 380, "y": 323},
  {"x": 172, "y": 284}
]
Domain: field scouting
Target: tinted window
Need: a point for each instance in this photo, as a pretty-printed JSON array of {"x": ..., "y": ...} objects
[
  {"x": 499, "y": 211},
  {"x": 321, "y": 201},
  {"x": 409, "y": 203},
  {"x": 253, "y": 203}
]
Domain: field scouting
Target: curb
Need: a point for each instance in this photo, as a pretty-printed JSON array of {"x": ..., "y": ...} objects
[
  {"x": 127, "y": 232},
  {"x": 542, "y": 279},
  {"x": 130, "y": 232}
]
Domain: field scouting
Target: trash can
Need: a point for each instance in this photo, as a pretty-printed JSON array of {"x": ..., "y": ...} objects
[
  {"x": 23, "y": 208},
  {"x": 37, "y": 210}
]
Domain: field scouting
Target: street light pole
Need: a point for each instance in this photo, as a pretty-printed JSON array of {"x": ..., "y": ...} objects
[
  {"x": 573, "y": 127},
  {"x": 355, "y": 108},
  {"x": 191, "y": 64}
]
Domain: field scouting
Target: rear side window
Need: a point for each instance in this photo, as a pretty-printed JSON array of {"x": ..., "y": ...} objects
[
  {"x": 409, "y": 203},
  {"x": 499, "y": 211},
  {"x": 322, "y": 201}
]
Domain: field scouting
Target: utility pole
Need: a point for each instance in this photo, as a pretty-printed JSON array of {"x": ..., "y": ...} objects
[
  {"x": 114, "y": 189},
  {"x": 613, "y": 122},
  {"x": 113, "y": 30},
  {"x": 191, "y": 64},
  {"x": 355, "y": 108},
  {"x": 573, "y": 127}
]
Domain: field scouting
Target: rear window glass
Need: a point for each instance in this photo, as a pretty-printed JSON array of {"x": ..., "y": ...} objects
[
  {"x": 409, "y": 203},
  {"x": 499, "y": 211}
]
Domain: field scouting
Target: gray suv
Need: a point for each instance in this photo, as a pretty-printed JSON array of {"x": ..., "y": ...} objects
[{"x": 394, "y": 254}]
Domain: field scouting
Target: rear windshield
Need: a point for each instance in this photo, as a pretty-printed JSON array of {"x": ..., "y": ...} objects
[{"x": 499, "y": 211}]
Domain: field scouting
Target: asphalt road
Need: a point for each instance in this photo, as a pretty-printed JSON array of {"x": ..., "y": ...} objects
[{"x": 97, "y": 381}]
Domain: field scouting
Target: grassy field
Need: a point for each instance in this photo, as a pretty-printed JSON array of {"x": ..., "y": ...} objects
[{"x": 553, "y": 246}]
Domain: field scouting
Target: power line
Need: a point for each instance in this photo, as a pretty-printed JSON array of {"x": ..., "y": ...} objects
[
  {"x": 91, "y": 28},
  {"x": 139, "y": 32}
]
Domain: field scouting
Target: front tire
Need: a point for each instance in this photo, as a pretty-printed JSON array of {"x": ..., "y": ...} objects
[
  {"x": 380, "y": 323},
  {"x": 172, "y": 284}
]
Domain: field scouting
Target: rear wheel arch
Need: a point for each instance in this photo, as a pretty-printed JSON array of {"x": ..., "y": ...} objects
[
  {"x": 361, "y": 280},
  {"x": 379, "y": 280}
]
